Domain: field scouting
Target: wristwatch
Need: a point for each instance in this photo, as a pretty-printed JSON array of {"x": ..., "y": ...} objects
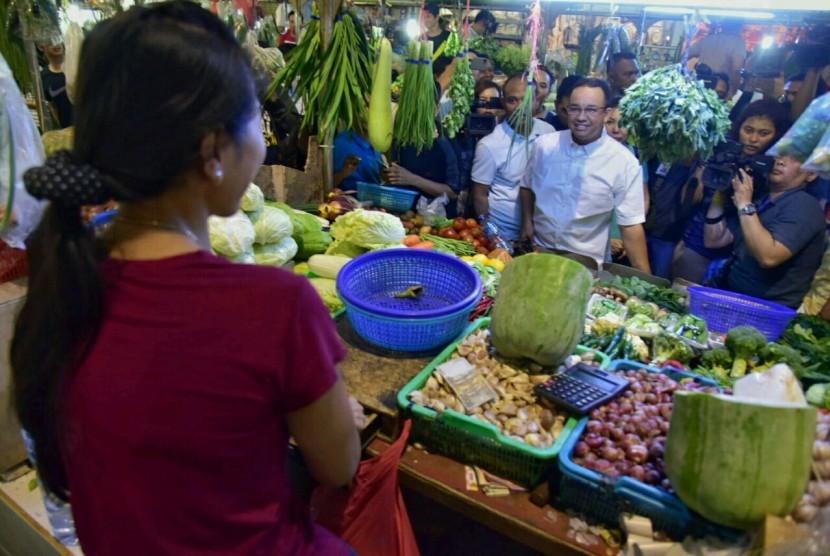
[{"x": 747, "y": 210}]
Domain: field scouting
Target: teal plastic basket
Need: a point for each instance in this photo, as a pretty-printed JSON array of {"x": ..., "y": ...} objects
[
  {"x": 602, "y": 499},
  {"x": 475, "y": 442}
]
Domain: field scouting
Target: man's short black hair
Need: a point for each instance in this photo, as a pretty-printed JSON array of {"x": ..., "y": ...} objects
[
  {"x": 434, "y": 9},
  {"x": 796, "y": 77},
  {"x": 544, "y": 69},
  {"x": 291, "y": 13},
  {"x": 567, "y": 86},
  {"x": 614, "y": 59},
  {"x": 594, "y": 83},
  {"x": 614, "y": 102},
  {"x": 485, "y": 16},
  {"x": 441, "y": 64},
  {"x": 520, "y": 76}
]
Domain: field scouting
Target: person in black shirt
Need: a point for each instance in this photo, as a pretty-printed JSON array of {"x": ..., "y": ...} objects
[
  {"x": 54, "y": 85},
  {"x": 559, "y": 119},
  {"x": 435, "y": 32}
]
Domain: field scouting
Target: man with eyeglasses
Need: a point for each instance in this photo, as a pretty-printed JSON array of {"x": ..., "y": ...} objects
[
  {"x": 577, "y": 178},
  {"x": 500, "y": 162}
]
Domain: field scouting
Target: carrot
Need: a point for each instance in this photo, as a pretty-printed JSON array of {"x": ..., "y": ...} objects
[
  {"x": 423, "y": 245},
  {"x": 411, "y": 240}
]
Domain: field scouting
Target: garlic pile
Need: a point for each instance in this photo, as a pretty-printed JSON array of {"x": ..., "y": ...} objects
[{"x": 516, "y": 412}]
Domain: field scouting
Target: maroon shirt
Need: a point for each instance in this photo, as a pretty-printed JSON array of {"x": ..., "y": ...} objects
[{"x": 176, "y": 437}]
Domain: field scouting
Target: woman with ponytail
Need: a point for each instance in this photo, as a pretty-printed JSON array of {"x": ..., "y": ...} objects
[{"x": 160, "y": 384}]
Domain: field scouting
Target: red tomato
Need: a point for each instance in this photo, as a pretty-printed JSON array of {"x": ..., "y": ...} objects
[{"x": 458, "y": 224}]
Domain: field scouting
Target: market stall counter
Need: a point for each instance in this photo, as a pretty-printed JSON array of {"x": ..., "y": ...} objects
[{"x": 546, "y": 529}]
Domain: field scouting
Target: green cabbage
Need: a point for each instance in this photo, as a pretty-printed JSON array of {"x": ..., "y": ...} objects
[
  {"x": 245, "y": 258},
  {"x": 368, "y": 229},
  {"x": 271, "y": 226},
  {"x": 276, "y": 254},
  {"x": 253, "y": 199},
  {"x": 231, "y": 236}
]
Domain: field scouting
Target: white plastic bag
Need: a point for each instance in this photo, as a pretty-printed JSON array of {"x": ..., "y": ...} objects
[
  {"x": 434, "y": 211},
  {"x": 72, "y": 56},
  {"x": 20, "y": 149}
]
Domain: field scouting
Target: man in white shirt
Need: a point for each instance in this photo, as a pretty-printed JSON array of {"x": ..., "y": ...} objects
[
  {"x": 575, "y": 179},
  {"x": 500, "y": 162}
]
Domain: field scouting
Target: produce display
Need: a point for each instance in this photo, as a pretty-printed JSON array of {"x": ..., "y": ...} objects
[
  {"x": 361, "y": 231},
  {"x": 461, "y": 93},
  {"x": 673, "y": 117},
  {"x": 811, "y": 337},
  {"x": 735, "y": 460},
  {"x": 627, "y": 436},
  {"x": 543, "y": 322},
  {"x": 620, "y": 289},
  {"x": 466, "y": 230},
  {"x": 515, "y": 413}
]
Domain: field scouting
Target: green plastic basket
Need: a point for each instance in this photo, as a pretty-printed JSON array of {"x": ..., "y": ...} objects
[{"x": 475, "y": 442}]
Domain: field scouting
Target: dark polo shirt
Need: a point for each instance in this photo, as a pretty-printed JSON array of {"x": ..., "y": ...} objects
[{"x": 794, "y": 219}]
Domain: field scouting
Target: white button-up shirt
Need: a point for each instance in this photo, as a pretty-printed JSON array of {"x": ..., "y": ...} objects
[
  {"x": 577, "y": 187},
  {"x": 500, "y": 163}
]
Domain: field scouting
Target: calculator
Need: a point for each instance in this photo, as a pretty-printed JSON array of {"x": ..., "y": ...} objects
[{"x": 581, "y": 388}]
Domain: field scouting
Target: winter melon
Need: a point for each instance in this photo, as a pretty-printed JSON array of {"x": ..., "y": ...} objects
[
  {"x": 735, "y": 460},
  {"x": 539, "y": 311}
]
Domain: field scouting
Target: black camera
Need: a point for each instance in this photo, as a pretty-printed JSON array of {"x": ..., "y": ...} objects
[
  {"x": 493, "y": 103},
  {"x": 704, "y": 73},
  {"x": 479, "y": 125},
  {"x": 723, "y": 166}
]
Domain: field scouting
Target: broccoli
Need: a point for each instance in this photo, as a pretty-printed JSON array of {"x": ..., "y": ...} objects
[
  {"x": 670, "y": 347},
  {"x": 774, "y": 353},
  {"x": 743, "y": 342},
  {"x": 718, "y": 360}
]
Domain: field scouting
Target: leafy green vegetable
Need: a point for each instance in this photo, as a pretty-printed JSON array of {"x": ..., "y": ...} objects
[
  {"x": 271, "y": 226},
  {"x": 231, "y": 236},
  {"x": 461, "y": 93},
  {"x": 811, "y": 337},
  {"x": 367, "y": 230},
  {"x": 485, "y": 46},
  {"x": 819, "y": 395},
  {"x": 327, "y": 289},
  {"x": 673, "y": 117},
  {"x": 666, "y": 298},
  {"x": 276, "y": 254},
  {"x": 513, "y": 59}
]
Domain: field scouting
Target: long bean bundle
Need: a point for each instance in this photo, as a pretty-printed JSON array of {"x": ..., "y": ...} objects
[
  {"x": 303, "y": 65},
  {"x": 346, "y": 76},
  {"x": 415, "y": 120}
]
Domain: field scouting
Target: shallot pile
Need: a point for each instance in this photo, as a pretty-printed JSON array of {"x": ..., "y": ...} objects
[
  {"x": 818, "y": 489},
  {"x": 626, "y": 436}
]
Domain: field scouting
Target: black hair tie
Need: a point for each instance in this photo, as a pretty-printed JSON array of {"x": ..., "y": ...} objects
[{"x": 64, "y": 180}]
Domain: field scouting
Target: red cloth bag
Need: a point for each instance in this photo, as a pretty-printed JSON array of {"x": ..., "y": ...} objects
[{"x": 371, "y": 516}]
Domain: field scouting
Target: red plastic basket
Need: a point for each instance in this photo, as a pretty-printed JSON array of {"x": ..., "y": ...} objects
[{"x": 725, "y": 310}]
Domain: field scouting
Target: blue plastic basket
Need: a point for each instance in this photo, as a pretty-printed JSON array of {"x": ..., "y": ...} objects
[
  {"x": 725, "y": 310},
  {"x": 390, "y": 198},
  {"x": 601, "y": 499},
  {"x": 368, "y": 284}
]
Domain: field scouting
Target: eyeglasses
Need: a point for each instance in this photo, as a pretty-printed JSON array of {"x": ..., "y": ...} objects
[{"x": 590, "y": 111}]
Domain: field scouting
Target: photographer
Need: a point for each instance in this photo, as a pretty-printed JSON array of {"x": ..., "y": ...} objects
[
  {"x": 761, "y": 124},
  {"x": 778, "y": 245},
  {"x": 500, "y": 162}
]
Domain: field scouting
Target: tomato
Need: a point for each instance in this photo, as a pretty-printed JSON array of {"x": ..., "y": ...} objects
[
  {"x": 443, "y": 231},
  {"x": 459, "y": 224},
  {"x": 471, "y": 223},
  {"x": 465, "y": 235},
  {"x": 451, "y": 234},
  {"x": 476, "y": 232},
  {"x": 476, "y": 243},
  {"x": 482, "y": 250}
]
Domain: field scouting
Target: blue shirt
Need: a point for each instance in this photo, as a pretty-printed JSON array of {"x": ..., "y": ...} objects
[{"x": 348, "y": 143}]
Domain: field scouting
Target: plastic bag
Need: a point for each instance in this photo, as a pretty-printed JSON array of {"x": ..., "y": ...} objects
[
  {"x": 819, "y": 161},
  {"x": 72, "y": 56},
  {"x": 433, "y": 211},
  {"x": 806, "y": 133},
  {"x": 371, "y": 517},
  {"x": 20, "y": 149}
]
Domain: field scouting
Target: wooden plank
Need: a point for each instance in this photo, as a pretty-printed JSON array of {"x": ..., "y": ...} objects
[
  {"x": 514, "y": 516},
  {"x": 375, "y": 376}
]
